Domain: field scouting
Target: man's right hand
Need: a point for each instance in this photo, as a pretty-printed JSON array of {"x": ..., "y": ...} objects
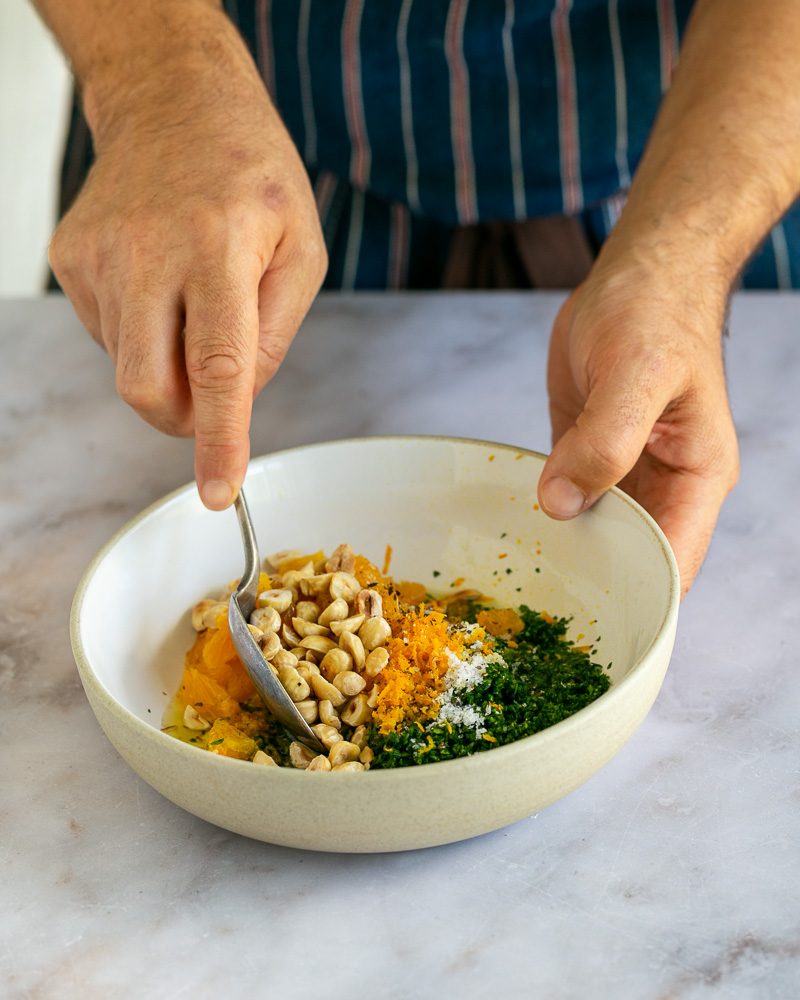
[{"x": 194, "y": 250}]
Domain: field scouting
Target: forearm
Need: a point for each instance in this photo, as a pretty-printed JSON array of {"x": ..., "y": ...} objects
[
  {"x": 723, "y": 160},
  {"x": 112, "y": 45}
]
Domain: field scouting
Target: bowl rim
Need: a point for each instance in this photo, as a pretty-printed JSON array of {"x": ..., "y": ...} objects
[{"x": 148, "y": 731}]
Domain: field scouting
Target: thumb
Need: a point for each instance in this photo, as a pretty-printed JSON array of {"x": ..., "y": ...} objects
[{"x": 605, "y": 442}]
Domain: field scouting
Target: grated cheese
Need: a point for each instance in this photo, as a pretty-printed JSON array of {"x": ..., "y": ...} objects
[{"x": 463, "y": 673}]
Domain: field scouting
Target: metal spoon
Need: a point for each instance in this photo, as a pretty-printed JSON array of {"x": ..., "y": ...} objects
[{"x": 240, "y": 607}]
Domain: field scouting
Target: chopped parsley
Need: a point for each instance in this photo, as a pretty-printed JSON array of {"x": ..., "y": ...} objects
[{"x": 542, "y": 680}]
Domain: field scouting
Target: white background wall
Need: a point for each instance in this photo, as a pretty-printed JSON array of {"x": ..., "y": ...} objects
[{"x": 34, "y": 94}]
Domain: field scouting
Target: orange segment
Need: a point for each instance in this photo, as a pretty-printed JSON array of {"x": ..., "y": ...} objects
[
  {"x": 214, "y": 659},
  {"x": 209, "y": 698},
  {"x": 221, "y": 662},
  {"x": 228, "y": 741}
]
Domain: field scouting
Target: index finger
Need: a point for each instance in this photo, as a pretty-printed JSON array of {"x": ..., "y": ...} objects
[{"x": 221, "y": 349}]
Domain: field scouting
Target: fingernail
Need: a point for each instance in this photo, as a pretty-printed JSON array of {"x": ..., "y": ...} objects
[
  {"x": 217, "y": 494},
  {"x": 562, "y": 498}
]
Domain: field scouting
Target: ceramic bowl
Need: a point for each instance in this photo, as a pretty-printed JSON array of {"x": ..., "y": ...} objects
[{"x": 450, "y": 507}]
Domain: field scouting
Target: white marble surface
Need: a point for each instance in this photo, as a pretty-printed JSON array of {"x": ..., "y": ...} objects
[{"x": 674, "y": 873}]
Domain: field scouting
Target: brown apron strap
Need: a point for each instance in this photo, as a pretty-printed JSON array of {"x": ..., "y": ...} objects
[{"x": 551, "y": 252}]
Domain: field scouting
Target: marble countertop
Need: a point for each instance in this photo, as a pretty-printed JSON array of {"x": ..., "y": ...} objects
[{"x": 673, "y": 873}]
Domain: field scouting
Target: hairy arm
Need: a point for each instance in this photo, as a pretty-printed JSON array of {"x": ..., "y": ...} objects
[
  {"x": 723, "y": 161},
  {"x": 636, "y": 380},
  {"x": 194, "y": 249},
  {"x": 110, "y": 41}
]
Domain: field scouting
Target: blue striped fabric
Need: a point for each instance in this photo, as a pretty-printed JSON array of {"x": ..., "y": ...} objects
[
  {"x": 458, "y": 79},
  {"x": 416, "y": 116}
]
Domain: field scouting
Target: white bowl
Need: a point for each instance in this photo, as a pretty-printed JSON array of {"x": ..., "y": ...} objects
[{"x": 443, "y": 504}]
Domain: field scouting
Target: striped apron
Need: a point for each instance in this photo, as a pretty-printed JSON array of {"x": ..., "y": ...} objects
[{"x": 432, "y": 129}]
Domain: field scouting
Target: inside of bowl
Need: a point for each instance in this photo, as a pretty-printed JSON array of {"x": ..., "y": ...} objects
[{"x": 455, "y": 513}]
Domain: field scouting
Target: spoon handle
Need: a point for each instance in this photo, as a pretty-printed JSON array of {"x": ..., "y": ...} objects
[{"x": 247, "y": 591}]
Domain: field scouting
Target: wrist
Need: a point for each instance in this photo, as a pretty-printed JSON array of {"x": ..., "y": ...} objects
[
  {"x": 682, "y": 251},
  {"x": 138, "y": 63},
  {"x": 698, "y": 217},
  {"x": 663, "y": 275}
]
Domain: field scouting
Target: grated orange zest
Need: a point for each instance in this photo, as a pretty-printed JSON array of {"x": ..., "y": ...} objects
[{"x": 414, "y": 675}]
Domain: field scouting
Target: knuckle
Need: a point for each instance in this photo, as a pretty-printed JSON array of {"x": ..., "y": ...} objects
[
  {"x": 178, "y": 425},
  {"x": 306, "y": 254},
  {"x": 210, "y": 226},
  {"x": 275, "y": 196},
  {"x": 312, "y": 257},
  {"x": 140, "y": 239},
  {"x": 318, "y": 258},
  {"x": 215, "y": 367},
  {"x": 62, "y": 253},
  {"x": 721, "y": 455},
  {"x": 565, "y": 313},
  {"x": 57, "y": 253},
  {"x": 174, "y": 424},
  {"x": 609, "y": 457},
  {"x": 659, "y": 361},
  {"x": 156, "y": 404},
  {"x": 218, "y": 450},
  {"x": 143, "y": 396}
]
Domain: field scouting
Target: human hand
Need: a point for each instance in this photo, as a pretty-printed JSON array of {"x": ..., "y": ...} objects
[
  {"x": 194, "y": 250},
  {"x": 638, "y": 398}
]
